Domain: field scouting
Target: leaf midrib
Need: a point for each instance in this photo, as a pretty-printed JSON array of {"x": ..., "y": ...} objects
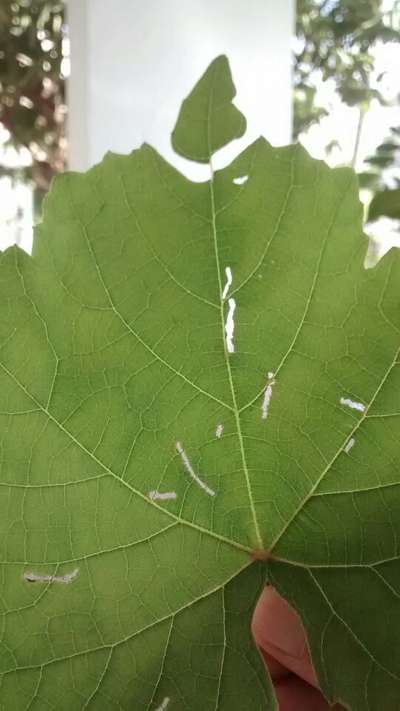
[{"x": 236, "y": 411}]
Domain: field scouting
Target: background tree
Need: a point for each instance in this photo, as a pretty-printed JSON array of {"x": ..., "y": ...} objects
[
  {"x": 335, "y": 40},
  {"x": 32, "y": 106}
]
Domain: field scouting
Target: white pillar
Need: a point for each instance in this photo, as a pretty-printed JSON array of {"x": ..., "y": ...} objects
[{"x": 132, "y": 63}]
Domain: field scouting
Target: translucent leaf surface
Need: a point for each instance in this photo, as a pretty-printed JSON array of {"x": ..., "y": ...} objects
[{"x": 194, "y": 375}]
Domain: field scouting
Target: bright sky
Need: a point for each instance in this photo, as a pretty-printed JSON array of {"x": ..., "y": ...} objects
[{"x": 15, "y": 201}]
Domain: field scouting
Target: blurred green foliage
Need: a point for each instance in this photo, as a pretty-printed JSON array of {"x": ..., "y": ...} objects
[
  {"x": 32, "y": 107},
  {"x": 335, "y": 40},
  {"x": 382, "y": 176},
  {"x": 386, "y": 203}
]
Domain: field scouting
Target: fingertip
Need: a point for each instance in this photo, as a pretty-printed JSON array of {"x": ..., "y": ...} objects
[
  {"x": 278, "y": 631},
  {"x": 276, "y": 623}
]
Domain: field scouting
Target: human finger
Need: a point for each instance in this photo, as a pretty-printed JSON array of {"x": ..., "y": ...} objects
[{"x": 278, "y": 631}]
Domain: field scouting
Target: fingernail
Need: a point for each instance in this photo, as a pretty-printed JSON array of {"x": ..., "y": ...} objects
[{"x": 281, "y": 627}]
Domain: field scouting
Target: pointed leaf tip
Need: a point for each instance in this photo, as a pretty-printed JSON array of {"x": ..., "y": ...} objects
[{"x": 208, "y": 120}]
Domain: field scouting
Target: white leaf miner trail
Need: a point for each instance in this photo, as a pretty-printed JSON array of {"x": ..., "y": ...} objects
[
  {"x": 32, "y": 577},
  {"x": 190, "y": 470},
  {"x": 352, "y": 404},
  {"x": 228, "y": 272},
  {"x": 267, "y": 396},
  {"x": 230, "y": 326}
]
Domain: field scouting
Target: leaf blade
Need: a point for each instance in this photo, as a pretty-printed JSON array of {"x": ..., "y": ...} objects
[
  {"x": 208, "y": 120},
  {"x": 115, "y": 350}
]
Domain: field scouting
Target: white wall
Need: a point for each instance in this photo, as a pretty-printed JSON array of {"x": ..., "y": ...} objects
[{"x": 133, "y": 61}]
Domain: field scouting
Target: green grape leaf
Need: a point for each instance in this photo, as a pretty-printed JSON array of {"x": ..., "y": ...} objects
[
  {"x": 208, "y": 120},
  {"x": 199, "y": 394}
]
